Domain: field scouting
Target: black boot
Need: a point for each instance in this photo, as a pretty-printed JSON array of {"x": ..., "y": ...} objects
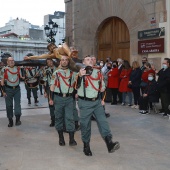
[
  {"x": 18, "y": 122},
  {"x": 61, "y": 138},
  {"x": 36, "y": 100},
  {"x": 29, "y": 101},
  {"x": 72, "y": 142},
  {"x": 10, "y": 122},
  {"x": 77, "y": 126},
  {"x": 111, "y": 146},
  {"x": 52, "y": 124},
  {"x": 86, "y": 149}
]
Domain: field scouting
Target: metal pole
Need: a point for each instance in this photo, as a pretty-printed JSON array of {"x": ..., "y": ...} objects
[{"x": 73, "y": 24}]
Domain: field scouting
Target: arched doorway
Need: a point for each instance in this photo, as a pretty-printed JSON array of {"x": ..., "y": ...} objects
[{"x": 113, "y": 39}]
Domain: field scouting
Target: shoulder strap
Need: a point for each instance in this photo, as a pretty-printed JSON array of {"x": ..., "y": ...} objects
[
  {"x": 30, "y": 73},
  {"x": 5, "y": 74},
  {"x": 100, "y": 82},
  {"x": 18, "y": 71},
  {"x": 58, "y": 81},
  {"x": 69, "y": 82},
  {"x": 84, "y": 85}
]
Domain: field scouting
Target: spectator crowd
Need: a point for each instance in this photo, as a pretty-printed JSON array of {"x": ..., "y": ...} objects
[{"x": 140, "y": 86}]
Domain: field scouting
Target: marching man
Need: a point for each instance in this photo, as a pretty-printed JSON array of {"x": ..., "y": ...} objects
[
  {"x": 89, "y": 101},
  {"x": 11, "y": 91},
  {"x": 62, "y": 86}
]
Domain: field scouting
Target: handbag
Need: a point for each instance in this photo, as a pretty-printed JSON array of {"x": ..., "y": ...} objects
[{"x": 143, "y": 84}]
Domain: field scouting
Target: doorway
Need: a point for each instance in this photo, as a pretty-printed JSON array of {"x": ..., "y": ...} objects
[{"x": 113, "y": 40}]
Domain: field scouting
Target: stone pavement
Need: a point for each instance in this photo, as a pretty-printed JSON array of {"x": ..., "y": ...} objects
[{"x": 144, "y": 140}]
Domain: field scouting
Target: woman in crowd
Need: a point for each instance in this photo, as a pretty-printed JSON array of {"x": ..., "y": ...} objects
[
  {"x": 135, "y": 80},
  {"x": 124, "y": 80},
  {"x": 144, "y": 79},
  {"x": 150, "y": 94},
  {"x": 101, "y": 63},
  {"x": 113, "y": 82}
]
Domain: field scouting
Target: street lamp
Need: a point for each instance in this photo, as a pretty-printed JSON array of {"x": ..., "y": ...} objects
[{"x": 50, "y": 31}]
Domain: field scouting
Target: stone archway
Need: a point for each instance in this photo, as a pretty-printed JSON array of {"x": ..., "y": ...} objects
[{"x": 113, "y": 39}]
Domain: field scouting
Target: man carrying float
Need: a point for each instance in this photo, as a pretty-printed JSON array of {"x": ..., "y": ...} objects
[
  {"x": 62, "y": 86},
  {"x": 89, "y": 87}
]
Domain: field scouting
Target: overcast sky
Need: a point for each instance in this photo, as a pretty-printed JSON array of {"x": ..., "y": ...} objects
[{"x": 31, "y": 10}]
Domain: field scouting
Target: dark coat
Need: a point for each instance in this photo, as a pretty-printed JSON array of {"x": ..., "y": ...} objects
[
  {"x": 152, "y": 91},
  {"x": 164, "y": 80},
  {"x": 135, "y": 77}
]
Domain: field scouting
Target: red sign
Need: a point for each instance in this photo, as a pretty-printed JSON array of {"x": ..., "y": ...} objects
[{"x": 151, "y": 46}]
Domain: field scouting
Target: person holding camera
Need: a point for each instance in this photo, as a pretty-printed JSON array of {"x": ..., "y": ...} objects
[{"x": 89, "y": 87}]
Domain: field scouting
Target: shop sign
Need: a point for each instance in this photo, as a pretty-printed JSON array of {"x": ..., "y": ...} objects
[
  {"x": 152, "y": 33},
  {"x": 151, "y": 46}
]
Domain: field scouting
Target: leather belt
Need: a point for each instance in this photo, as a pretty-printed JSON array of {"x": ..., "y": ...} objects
[
  {"x": 89, "y": 99},
  {"x": 12, "y": 87},
  {"x": 63, "y": 94}
]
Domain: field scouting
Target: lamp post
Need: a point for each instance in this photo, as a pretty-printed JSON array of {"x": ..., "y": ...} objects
[{"x": 50, "y": 31}]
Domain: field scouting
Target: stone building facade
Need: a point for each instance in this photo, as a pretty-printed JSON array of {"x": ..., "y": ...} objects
[
  {"x": 23, "y": 29},
  {"x": 110, "y": 27},
  {"x": 19, "y": 48}
]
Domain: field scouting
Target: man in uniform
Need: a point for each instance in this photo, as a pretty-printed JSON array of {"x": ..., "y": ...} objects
[
  {"x": 89, "y": 88},
  {"x": 47, "y": 77},
  {"x": 62, "y": 86},
  {"x": 11, "y": 91},
  {"x": 31, "y": 73}
]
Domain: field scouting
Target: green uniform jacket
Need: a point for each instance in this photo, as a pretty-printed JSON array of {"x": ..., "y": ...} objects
[
  {"x": 92, "y": 85},
  {"x": 12, "y": 77},
  {"x": 63, "y": 83}
]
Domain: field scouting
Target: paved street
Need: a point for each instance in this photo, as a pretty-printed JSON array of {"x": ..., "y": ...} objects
[{"x": 144, "y": 140}]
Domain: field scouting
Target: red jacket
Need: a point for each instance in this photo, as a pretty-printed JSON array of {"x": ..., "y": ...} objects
[
  {"x": 145, "y": 74},
  {"x": 124, "y": 76},
  {"x": 113, "y": 78}
]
